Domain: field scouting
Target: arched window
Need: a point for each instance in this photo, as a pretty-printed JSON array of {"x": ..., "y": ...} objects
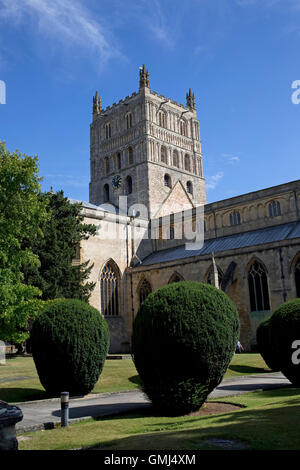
[
  {"x": 167, "y": 181},
  {"x": 175, "y": 278},
  {"x": 128, "y": 185},
  {"x": 187, "y": 163},
  {"x": 109, "y": 290},
  {"x": 128, "y": 120},
  {"x": 144, "y": 290},
  {"x": 130, "y": 156},
  {"x": 162, "y": 119},
  {"x": 163, "y": 154},
  {"x": 107, "y": 130},
  {"x": 106, "y": 193},
  {"x": 297, "y": 277},
  {"x": 258, "y": 288},
  {"x": 175, "y": 159},
  {"x": 183, "y": 127},
  {"x": 235, "y": 218},
  {"x": 189, "y": 187},
  {"x": 274, "y": 209},
  {"x": 209, "y": 277},
  {"x": 106, "y": 165},
  {"x": 118, "y": 161}
]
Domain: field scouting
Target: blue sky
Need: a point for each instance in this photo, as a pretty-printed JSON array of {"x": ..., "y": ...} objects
[{"x": 240, "y": 57}]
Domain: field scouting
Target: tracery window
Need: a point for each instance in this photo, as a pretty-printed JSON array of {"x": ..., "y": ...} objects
[
  {"x": 187, "y": 163},
  {"x": 183, "y": 127},
  {"x": 258, "y": 288},
  {"x": 235, "y": 218},
  {"x": 163, "y": 154},
  {"x": 144, "y": 291},
  {"x": 118, "y": 161},
  {"x": 107, "y": 130},
  {"x": 130, "y": 156},
  {"x": 128, "y": 120},
  {"x": 162, "y": 119},
  {"x": 274, "y": 209},
  {"x": 109, "y": 290},
  {"x": 175, "y": 159}
]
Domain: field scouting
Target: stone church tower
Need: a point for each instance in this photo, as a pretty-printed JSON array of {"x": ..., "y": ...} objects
[{"x": 148, "y": 148}]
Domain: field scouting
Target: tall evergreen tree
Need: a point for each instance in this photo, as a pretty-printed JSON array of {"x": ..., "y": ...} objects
[{"x": 57, "y": 277}]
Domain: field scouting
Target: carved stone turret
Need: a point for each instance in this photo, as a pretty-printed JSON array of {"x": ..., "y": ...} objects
[
  {"x": 97, "y": 106},
  {"x": 144, "y": 77},
  {"x": 190, "y": 100}
]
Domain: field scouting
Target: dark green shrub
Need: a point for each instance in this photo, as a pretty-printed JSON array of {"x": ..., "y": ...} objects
[
  {"x": 69, "y": 342},
  {"x": 284, "y": 330},
  {"x": 264, "y": 345},
  {"x": 184, "y": 336}
]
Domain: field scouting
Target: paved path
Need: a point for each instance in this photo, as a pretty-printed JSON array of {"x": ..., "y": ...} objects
[{"x": 44, "y": 414}]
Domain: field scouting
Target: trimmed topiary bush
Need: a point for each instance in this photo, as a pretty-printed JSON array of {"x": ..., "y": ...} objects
[
  {"x": 184, "y": 336},
  {"x": 264, "y": 345},
  {"x": 284, "y": 330},
  {"x": 69, "y": 341}
]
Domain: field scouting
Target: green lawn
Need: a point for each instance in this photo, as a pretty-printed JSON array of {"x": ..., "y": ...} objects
[
  {"x": 117, "y": 375},
  {"x": 269, "y": 421}
]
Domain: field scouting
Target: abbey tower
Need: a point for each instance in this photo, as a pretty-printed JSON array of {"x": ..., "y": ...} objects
[{"x": 145, "y": 146}]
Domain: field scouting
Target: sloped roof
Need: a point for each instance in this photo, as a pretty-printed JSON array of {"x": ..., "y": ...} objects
[{"x": 231, "y": 242}]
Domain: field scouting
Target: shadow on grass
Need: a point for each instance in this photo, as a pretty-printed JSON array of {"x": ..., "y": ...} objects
[
  {"x": 135, "y": 379},
  {"x": 13, "y": 395},
  {"x": 258, "y": 428},
  {"x": 245, "y": 370}
]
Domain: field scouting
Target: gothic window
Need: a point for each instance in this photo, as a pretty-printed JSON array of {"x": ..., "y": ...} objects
[
  {"x": 297, "y": 277},
  {"x": 162, "y": 119},
  {"x": 175, "y": 278},
  {"x": 128, "y": 120},
  {"x": 235, "y": 218},
  {"x": 118, "y": 161},
  {"x": 130, "y": 156},
  {"x": 144, "y": 291},
  {"x": 274, "y": 209},
  {"x": 183, "y": 127},
  {"x": 187, "y": 163},
  {"x": 175, "y": 159},
  {"x": 106, "y": 165},
  {"x": 258, "y": 288},
  {"x": 167, "y": 181},
  {"x": 109, "y": 287},
  {"x": 209, "y": 276},
  {"x": 107, "y": 130},
  {"x": 128, "y": 185},
  {"x": 106, "y": 193},
  {"x": 163, "y": 154},
  {"x": 189, "y": 187}
]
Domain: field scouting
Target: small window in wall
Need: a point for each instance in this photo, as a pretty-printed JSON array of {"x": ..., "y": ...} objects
[
  {"x": 107, "y": 130},
  {"x": 118, "y": 161},
  {"x": 130, "y": 156},
  {"x": 163, "y": 154},
  {"x": 106, "y": 193},
  {"x": 189, "y": 187},
  {"x": 258, "y": 288},
  {"x": 162, "y": 119},
  {"x": 128, "y": 185},
  {"x": 297, "y": 277},
  {"x": 274, "y": 209},
  {"x": 144, "y": 291},
  {"x": 128, "y": 120},
  {"x": 187, "y": 163},
  {"x": 183, "y": 127},
  {"x": 175, "y": 159},
  {"x": 167, "y": 181},
  {"x": 106, "y": 165},
  {"x": 235, "y": 218}
]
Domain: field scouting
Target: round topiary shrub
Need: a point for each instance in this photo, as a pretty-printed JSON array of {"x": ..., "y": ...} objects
[
  {"x": 264, "y": 345},
  {"x": 284, "y": 331},
  {"x": 184, "y": 336},
  {"x": 69, "y": 341}
]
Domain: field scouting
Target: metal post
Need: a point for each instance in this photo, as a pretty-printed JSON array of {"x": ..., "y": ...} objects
[{"x": 64, "y": 403}]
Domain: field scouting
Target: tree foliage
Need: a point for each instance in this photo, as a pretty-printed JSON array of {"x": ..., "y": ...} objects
[
  {"x": 22, "y": 213},
  {"x": 56, "y": 276}
]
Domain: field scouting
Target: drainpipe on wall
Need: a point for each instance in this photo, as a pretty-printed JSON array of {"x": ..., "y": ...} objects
[{"x": 284, "y": 292}]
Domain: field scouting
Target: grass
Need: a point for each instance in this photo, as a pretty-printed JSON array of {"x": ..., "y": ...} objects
[
  {"x": 117, "y": 375},
  {"x": 269, "y": 421}
]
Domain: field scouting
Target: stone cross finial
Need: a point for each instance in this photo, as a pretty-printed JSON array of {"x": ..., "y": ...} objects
[
  {"x": 144, "y": 77},
  {"x": 190, "y": 100},
  {"x": 97, "y": 106}
]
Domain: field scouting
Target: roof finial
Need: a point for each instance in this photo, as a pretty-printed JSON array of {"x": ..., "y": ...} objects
[
  {"x": 190, "y": 100},
  {"x": 144, "y": 77},
  {"x": 97, "y": 106},
  {"x": 51, "y": 190}
]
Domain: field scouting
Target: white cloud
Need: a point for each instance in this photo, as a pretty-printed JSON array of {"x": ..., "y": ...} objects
[
  {"x": 231, "y": 158},
  {"x": 212, "y": 181},
  {"x": 66, "y": 21}
]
